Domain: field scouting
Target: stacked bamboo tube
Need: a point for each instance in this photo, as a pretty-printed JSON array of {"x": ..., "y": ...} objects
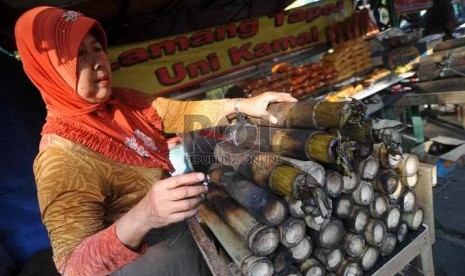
[{"x": 297, "y": 199}]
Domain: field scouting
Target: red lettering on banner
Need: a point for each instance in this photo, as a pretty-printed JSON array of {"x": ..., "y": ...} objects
[
  {"x": 296, "y": 16},
  {"x": 315, "y": 33},
  {"x": 263, "y": 50},
  {"x": 164, "y": 77},
  {"x": 283, "y": 44},
  {"x": 214, "y": 62},
  {"x": 236, "y": 55},
  {"x": 248, "y": 28},
  {"x": 230, "y": 30},
  {"x": 278, "y": 19},
  {"x": 201, "y": 38},
  {"x": 133, "y": 56},
  {"x": 313, "y": 13},
  {"x": 168, "y": 47}
]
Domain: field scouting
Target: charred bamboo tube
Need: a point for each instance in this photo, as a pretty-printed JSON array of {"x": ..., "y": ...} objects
[
  {"x": 388, "y": 245},
  {"x": 368, "y": 168},
  {"x": 290, "y": 270},
  {"x": 330, "y": 234},
  {"x": 350, "y": 182},
  {"x": 392, "y": 217},
  {"x": 267, "y": 207},
  {"x": 291, "y": 231},
  {"x": 375, "y": 232},
  {"x": 343, "y": 206},
  {"x": 316, "y": 115},
  {"x": 295, "y": 207},
  {"x": 252, "y": 164},
  {"x": 386, "y": 160},
  {"x": 281, "y": 259},
  {"x": 379, "y": 205},
  {"x": 262, "y": 240},
  {"x": 413, "y": 219},
  {"x": 302, "y": 250},
  {"x": 330, "y": 258},
  {"x": 333, "y": 184},
  {"x": 395, "y": 197},
  {"x": 369, "y": 257},
  {"x": 387, "y": 182},
  {"x": 353, "y": 244},
  {"x": 358, "y": 219},
  {"x": 311, "y": 267},
  {"x": 407, "y": 201},
  {"x": 409, "y": 181},
  {"x": 314, "y": 169},
  {"x": 402, "y": 232},
  {"x": 234, "y": 246},
  {"x": 315, "y": 223},
  {"x": 362, "y": 133},
  {"x": 349, "y": 267},
  {"x": 408, "y": 165},
  {"x": 364, "y": 193}
]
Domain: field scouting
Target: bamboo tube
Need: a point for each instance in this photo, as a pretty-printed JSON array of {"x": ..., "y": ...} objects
[
  {"x": 408, "y": 165},
  {"x": 407, "y": 201},
  {"x": 364, "y": 193},
  {"x": 369, "y": 257},
  {"x": 368, "y": 168},
  {"x": 358, "y": 219},
  {"x": 392, "y": 218},
  {"x": 386, "y": 160},
  {"x": 316, "y": 115},
  {"x": 402, "y": 232},
  {"x": 343, "y": 206},
  {"x": 395, "y": 197},
  {"x": 349, "y": 268},
  {"x": 302, "y": 250},
  {"x": 267, "y": 207},
  {"x": 413, "y": 219},
  {"x": 262, "y": 240},
  {"x": 409, "y": 181},
  {"x": 315, "y": 223},
  {"x": 234, "y": 246},
  {"x": 375, "y": 232},
  {"x": 311, "y": 267},
  {"x": 333, "y": 184},
  {"x": 388, "y": 245},
  {"x": 330, "y": 234},
  {"x": 330, "y": 258},
  {"x": 291, "y": 231},
  {"x": 314, "y": 169},
  {"x": 290, "y": 270},
  {"x": 350, "y": 182},
  {"x": 281, "y": 259},
  {"x": 390, "y": 137},
  {"x": 353, "y": 244},
  {"x": 379, "y": 205},
  {"x": 387, "y": 182},
  {"x": 295, "y": 207}
]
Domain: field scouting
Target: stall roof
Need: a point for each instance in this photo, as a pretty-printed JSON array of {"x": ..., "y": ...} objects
[{"x": 134, "y": 20}]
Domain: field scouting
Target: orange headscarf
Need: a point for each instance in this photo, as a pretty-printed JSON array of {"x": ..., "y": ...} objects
[{"x": 126, "y": 128}]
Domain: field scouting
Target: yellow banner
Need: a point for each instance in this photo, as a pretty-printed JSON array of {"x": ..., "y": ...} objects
[{"x": 164, "y": 65}]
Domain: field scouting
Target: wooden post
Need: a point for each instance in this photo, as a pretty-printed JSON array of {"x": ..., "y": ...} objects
[{"x": 424, "y": 196}]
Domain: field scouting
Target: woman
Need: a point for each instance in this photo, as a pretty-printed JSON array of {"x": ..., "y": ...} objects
[{"x": 100, "y": 171}]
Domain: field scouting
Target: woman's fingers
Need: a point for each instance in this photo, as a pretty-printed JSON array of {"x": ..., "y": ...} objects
[
  {"x": 188, "y": 191},
  {"x": 185, "y": 204},
  {"x": 180, "y": 216},
  {"x": 182, "y": 180}
]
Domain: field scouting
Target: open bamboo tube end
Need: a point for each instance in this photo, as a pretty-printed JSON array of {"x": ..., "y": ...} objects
[
  {"x": 292, "y": 231},
  {"x": 276, "y": 213},
  {"x": 302, "y": 250},
  {"x": 257, "y": 266},
  {"x": 408, "y": 201},
  {"x": 353, "y": 244},
  {"x": 379, "y": 205},
  {"x": 311, "y": 267},
  {"x": 343, "y": 207},
  {"x": 402, "y": 232},
  {"x": 350, "y": 182},
  {"x": 264, "y": 240},
  {"x": 333, "y": 184},
  {"x": 388, "y": 245},
  {"x": 370, "y": 256},
  {"x": 393, "y": 217},
  {"x": 413, "y": 219},
  {"x": 349, "y": 268},
  {"x": 409, "y": 164},
  {"x": 364, "y": 194},
  {"x": 368, "y": 168},
  {"x": 331, "y": 233}
]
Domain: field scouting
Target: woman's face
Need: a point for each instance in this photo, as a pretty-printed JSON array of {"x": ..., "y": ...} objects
[{"x": 93, "y": 71}]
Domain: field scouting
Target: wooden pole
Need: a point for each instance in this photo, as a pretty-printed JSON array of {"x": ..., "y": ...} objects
[
  {"x": 388, "y": 245},
  {"x": 267, "y": 207},
  {"x": 343, "y": 206},
  {"x": 413, "y": 219},
  {"x": 353, "y": 244},
  {"x": 311, "y": 267},
  {"x": 330, "y": 234},
  {"x": 369, "y": 257},
  {"x": 350, "y": 182},
  {"x": 349, "y": 267},
  {"x": 234, "y": 246},
  {"x": 392, "y": 218},
  {"x": 330, "y": 258},
  {"x": 262, "y": 240},
  {"x": 291, "y": 231},
  {"x": 379, "y": 205},
  {"x": 358, "y": 219},
  {"x": 375, "y": 232},
  {"x": 364, "y": 193},
  {"x": 368, "y": 168},
  {"x": 302, "y": 250},
  {"x": 333, "y": 184}
]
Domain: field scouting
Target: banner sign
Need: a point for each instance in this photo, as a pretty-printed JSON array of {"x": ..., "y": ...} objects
[
  {"x": 411, "y": 6},
  {"x": 164, "y": 65}
]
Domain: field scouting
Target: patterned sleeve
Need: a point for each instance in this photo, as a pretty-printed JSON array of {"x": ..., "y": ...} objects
[
  {"x": 186, "y": 116},
  {"x": 71, "y": 199}
]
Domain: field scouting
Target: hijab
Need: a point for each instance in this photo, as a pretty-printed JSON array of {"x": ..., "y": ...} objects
[{"x": 125, "y": 128}]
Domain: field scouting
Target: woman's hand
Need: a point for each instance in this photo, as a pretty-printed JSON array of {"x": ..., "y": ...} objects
[
  {"x": 168, "y": 201},
  {"x": 257, "y": 106}
]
